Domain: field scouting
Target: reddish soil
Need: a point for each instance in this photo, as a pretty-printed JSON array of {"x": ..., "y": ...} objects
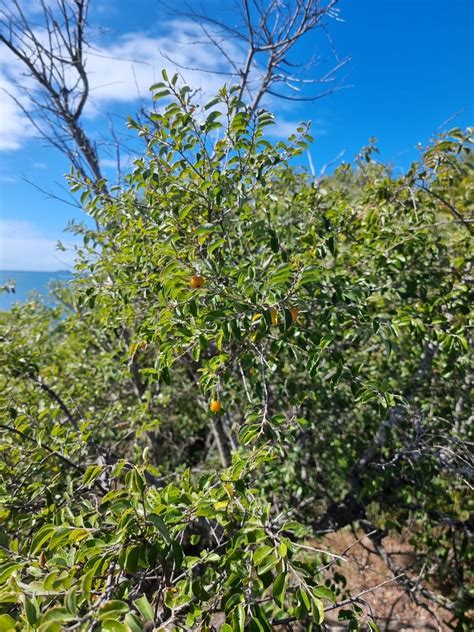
[{"x": 390, "y": 606}]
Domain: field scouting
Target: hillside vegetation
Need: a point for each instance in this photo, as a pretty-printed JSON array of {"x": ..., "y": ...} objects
[{"x": 247, "y": 359}]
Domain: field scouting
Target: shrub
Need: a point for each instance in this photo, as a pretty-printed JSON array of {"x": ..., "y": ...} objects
[{"x": 330, "y": 320}]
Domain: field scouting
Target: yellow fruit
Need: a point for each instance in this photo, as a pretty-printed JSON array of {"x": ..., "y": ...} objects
[
  {"x": 215, "y": 406},
  {"x": 196, "y": 281},
  {"x": 274, "y": 316},
  {"x": 294, "y": 311}
]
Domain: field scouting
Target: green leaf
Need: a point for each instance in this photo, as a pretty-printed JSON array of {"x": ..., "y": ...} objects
[
  {"x": 92, "y": 473},
  {"x": 44, "y": 534},
  {"x": 7, "y": 624},
  {"x": 261, "y": 553},
  {"x": 283, "y": 549},
  {"x": 221, "y": 505},
  {"x": 238, "y": 619},
  {"x": 86, "y": 583},
  {"x": 288, "y": 318},
  {"x": 212, "y": 103},
  {"x": 234, "y": 326},
  {"x": 131, "y": 559},
  {"x": 58, "y": 615},
  {"x": 324, "y": 593},
  {"x": 317, "y": 610},
  {"x": 160, "y": 525},
  {"x": 331, "y": 242},
  {"x": 281, "y": 276},
  {"x": 133, "y": 622},
  {"x": 311, "y": 274},
  {"x": 165, "y": 375},
  {"x": 256, "y": 625},
  {"x": 268, "y": 563},
  {"x": 304, "y": 599},
  {"x": 259, "y": 621},
  {"x": 248, "y": 432},
  {"x": 114, "y": 626},
  {"x": 31, "y": 610},
  {"x": 7, "y": 570},
  {"x": 279, "y": 588},
  {"x": 144, "y": 608},
  {"x": 70, "y": 601},
  {"x": 112, "y": 608}
]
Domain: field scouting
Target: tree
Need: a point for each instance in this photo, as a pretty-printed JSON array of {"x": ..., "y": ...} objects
[
  {"x": 332, "y": 325},
  {"x": 53, "y": 56},
  {"x": 53, "y": 51},
  {"x": 268, "y": 32}
]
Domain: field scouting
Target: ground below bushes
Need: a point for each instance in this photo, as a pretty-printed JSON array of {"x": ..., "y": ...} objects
[{"x": 389, "y": 604}]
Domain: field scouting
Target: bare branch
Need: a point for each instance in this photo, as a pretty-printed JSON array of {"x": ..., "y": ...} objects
[
  {"x": 267, "y": 34},
  {"x": 52, "y": 55}
]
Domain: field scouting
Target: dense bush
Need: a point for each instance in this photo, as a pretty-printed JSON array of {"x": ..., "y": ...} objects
[{"x": 328, "y": 325}]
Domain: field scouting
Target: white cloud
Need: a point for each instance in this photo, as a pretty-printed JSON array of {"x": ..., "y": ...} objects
[
  {"x": 24, "y": 247},
  {"x": 15, "y": 128},
  {"x": 121, "y": 72},
  {"x": 125, "y": 70}
]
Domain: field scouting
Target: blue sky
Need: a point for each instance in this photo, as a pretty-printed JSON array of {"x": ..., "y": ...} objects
[{"x": 411, "y": 75}]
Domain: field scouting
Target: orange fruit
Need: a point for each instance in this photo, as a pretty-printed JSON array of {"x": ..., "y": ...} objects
[
  {"x": 294, "y": 311},
  {"x": 196, "y": 281},
  {"x": 215, "y": 406}
]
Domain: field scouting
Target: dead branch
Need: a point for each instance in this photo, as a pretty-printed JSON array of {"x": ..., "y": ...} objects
[
  {"x": 266, "y": 35},
  {"x": 52, "y": 55}
]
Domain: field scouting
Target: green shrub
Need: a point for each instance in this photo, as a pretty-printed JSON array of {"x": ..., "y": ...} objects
[{"x": 331, "y": 319}]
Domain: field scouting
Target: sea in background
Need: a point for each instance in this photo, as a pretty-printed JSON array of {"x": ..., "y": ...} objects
[{"x": 28, "y": 284}]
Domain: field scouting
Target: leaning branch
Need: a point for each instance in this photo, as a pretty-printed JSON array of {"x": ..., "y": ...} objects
[{"x": 55, "y": 397}]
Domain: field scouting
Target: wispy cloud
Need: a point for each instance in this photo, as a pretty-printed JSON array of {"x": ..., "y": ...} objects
[
  {"x": 284, "y": 128},
  {"x": 125, "y": 70},
  {"x": 126, "y": 162},
  {"x": 6, "y": 179},
  {"x": 24, "y": 247}
]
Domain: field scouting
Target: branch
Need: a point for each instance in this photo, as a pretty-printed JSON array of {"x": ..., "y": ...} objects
[
  {"x": 340, "y": 604},
  {"x": 49, "y": 65},
  {"x": 267, "y": 34},
  {"x": 54, "y": 396},
  {"x": 410, "y": 586},
  {"x": 60, "y": 456},
  {"x": 451, "y": 207}
]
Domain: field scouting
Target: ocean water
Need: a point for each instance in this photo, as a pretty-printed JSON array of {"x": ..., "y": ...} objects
[{"x": 28, "y": 284}]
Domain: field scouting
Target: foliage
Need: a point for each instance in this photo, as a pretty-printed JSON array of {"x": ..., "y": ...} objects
[{"x": 332, "y": 324}]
